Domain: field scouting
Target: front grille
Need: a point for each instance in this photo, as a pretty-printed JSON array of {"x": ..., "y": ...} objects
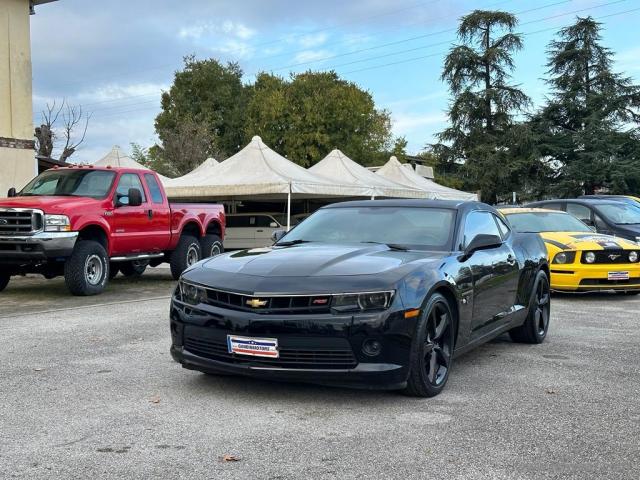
[
  {"x": 604, "y": 281},
  {"x": 609, "y": 257},
  {"x": 20, "y": 221},
  {"x": 301, "y": 358},
  {"x": 285, "y": 305}
]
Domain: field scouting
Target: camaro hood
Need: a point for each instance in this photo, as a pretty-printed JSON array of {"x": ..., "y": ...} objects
[
  {"x": 587, "y": 241},
  {"x": 49, "y": 204},
  {"x": 310, "y": 267}
]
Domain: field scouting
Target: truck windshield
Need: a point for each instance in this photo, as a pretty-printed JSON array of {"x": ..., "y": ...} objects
[
  {"x": 70, "y": 183},
  {"x": 402, "y": 227}
]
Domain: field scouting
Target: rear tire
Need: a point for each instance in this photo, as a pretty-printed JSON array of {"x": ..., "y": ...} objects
[
  {"x": 4, "y": 280},
  {"x": 134, "y": 268},
  {"x": 187, "y": 252},
  {"x": 211, "y": 246},
  {"x": 86, "y": 272},
  {"x": 536, "y": 326},
  {"x": 432, "y": 349}
]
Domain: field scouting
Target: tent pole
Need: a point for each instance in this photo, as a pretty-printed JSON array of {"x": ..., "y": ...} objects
[{"x": 289, "y": 209}]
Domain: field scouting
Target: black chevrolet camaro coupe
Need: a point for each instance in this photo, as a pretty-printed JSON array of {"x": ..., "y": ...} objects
[{"x": 375, "y": 294}]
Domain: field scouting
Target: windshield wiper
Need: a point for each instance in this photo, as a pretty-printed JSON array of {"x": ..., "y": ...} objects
[
  {"x": 291, "y": 242},
  {"x": 391, "y": 246}
]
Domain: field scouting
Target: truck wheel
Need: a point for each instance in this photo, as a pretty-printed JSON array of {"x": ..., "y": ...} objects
[
  {"x": 135, "y": 268},
  {"x": 4, "y": 280},
  {"x": 86, "y": 272},
  {"x": 211, "y": 246},
  {"x": 187, "y": 252}
]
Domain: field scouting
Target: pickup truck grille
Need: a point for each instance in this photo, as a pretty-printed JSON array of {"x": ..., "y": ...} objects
[{"x": 20, "y": 221}]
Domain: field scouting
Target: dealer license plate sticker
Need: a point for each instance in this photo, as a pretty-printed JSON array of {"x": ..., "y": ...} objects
[
  {"x": 618, "y": 276},
  {"x": 254, "y": 347}
]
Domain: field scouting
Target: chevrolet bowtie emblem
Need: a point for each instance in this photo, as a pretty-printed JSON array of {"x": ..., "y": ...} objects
[
  {"x": 613, "y": 256},
  {"x": 256, "y": 303}
]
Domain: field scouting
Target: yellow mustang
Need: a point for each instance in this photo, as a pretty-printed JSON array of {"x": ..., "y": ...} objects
[{"x": 580, "y": 259}]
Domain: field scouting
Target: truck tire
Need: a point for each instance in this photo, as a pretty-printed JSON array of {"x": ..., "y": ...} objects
[
  {"x": 86, "y": 272},
  {"x": 211, "y": 246},
  {"x": 187, "y": 252},
  {"x": 4, "y": 280},
  {"x": 134, "y": 268}
]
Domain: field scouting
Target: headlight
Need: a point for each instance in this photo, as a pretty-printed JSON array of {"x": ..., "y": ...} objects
[
  {"x": 363, "y": 301},
  {"x": 564, "y": 257},
  {"x": 192, "y": 294},
  {"x": 57, "y": 223},
  {"x": 589, "y": 257},
  {"x": 633, "y": 256}
]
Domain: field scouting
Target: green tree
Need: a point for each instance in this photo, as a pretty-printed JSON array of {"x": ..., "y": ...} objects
[
  {"x": 306, "y": 117},
  {"x": 475, "y": 145},
  {"x": 588, "y": 129},
  {"x": 208, "y": 93}
]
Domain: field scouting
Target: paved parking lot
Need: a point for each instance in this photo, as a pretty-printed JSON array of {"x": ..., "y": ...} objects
[{"x": 88, "y": 390}]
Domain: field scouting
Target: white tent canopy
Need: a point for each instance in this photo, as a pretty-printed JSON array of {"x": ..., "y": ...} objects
[
  {"x": 117, "y": 158},
  {"x": 337, "y": 167},
  {"x": 258, "y": 170},
  {"x": 394, "y": 170},
  {"x": 200, "y": 170}
]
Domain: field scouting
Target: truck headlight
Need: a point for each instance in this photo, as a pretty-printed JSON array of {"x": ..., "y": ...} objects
[
  {"x": 363, "y": 301},
  {"x": 57, "y": 223},
  {"x": 192, "y": 294}
]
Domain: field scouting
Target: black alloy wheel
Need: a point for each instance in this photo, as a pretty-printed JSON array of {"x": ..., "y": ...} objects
[
  {"x": 536, "y": 326},
  {"x": 433, "y": 349}
]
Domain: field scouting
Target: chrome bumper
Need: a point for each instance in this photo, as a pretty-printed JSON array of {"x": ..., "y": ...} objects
[{"x": 40, "y": 246}]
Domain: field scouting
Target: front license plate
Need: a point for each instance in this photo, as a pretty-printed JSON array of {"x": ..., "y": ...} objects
[
  {"x": 254, "y": 347},
  {"x": 618, "y": 276}
]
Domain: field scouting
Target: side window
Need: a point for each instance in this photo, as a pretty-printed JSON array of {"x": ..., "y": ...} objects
[
  {"x": 600, "y": 224},
  {"x": 127, "y": 181},
  {"x": 580, "y": 212},
  {"x": 552, "y": 206},
  {"x": 478, "y": 223},
  {"x": 237, "y": 221},
  {"x": 502, "y": 226},
  {"x": 154, "y": 188},
  {"x": 264, "y": 221}
]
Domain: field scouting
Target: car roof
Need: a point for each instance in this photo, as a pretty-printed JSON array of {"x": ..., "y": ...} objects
[
  {"x": 415, "y": 203},
  {"x": 580, "y": 201},
  {"x": 512, "y": 210}
]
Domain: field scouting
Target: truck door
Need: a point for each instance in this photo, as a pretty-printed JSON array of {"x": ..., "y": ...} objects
[
  {"x": 130, "y": 225},
  {"x": 158, "y": 214}
]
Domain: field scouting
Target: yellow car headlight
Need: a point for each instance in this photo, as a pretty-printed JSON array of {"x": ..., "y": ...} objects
[{"x": 564, "y": 257}]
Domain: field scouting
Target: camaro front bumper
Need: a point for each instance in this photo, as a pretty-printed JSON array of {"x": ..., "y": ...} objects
[
  {"x": 322, "y": 349},
  {"x": 20, "y": 249},
  {"x": 582, "y": 278}
]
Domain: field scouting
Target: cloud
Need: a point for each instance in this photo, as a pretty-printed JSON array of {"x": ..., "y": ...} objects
[
  {"x": 228, "y": 27},
  {"x": 313, "y": 40},
  {"x": 409, "y": 122},
  {"x": 311, "y": 56}
]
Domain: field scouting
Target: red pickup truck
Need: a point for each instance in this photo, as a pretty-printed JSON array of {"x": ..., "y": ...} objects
[{"x": 90, "y": 223}]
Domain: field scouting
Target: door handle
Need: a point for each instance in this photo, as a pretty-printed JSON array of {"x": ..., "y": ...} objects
[
  {"x": 150, "y": 214},
  {"x": 260, "y": 231}
]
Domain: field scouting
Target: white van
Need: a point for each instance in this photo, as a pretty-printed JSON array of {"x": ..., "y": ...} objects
[{"x": 252, "y": 230}]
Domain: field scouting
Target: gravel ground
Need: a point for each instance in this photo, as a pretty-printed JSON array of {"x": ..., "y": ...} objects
[{"x": 88, "y": 390}]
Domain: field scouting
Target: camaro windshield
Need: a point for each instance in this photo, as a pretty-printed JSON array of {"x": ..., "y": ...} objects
[
  {"x": 411, "y": 227},
  {"x": 536, "y": 222},
  {"x": 621, "y": 213},
  {"x": 75, "y": 183}
]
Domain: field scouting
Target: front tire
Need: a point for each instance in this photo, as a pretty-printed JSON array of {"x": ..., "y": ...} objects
[
  {"x": 211, "y": 246},
  {"x": 4, "y": 280},
  {"x": 134, "y": 268},
  {"x": 187, "y": 252},
  {"x": 432, "y": 349},
  {"x": 536, "y": 326},
  {"x": 86, "y": 272}
]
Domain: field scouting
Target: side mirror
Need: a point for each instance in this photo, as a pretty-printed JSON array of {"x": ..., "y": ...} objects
[
  {"x": 11, "y": 192},
  {"x": 135, "y": 197},
  {"x": 482, "y": 242},
  {"x": 277, "y": 235},
  {"x": 273, "y": 225}
]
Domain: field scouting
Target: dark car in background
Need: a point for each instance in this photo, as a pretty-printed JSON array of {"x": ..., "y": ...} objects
[
  {"x": 374, "y": 294},
  {"x": 630, "y": 199},
  {"x": 606, "y": 216}
]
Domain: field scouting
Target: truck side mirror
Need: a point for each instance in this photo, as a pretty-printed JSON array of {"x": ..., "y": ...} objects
[
  {"x": 11, "y": 192},
  {"x": 135, "y": 197},
  {"x": 277, "y": 235}
]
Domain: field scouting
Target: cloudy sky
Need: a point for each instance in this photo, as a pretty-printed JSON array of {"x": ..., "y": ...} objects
[{"x": 115, "y": 57}]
